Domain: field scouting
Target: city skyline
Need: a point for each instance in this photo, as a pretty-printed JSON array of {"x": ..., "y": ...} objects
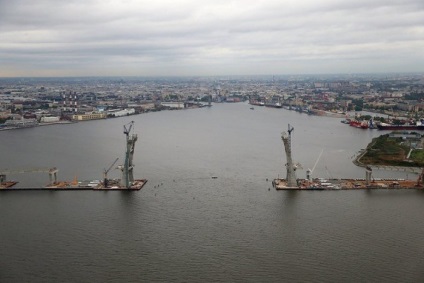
[{"x": 209, "y": 38}]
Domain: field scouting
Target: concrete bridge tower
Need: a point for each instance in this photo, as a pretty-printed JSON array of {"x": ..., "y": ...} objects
[
  {"x": 290, "y": 167},
  {"x": 127, "y": 169}
]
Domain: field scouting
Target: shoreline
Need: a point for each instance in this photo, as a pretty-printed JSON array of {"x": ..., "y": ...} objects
[{"x": 38, "y": 125}]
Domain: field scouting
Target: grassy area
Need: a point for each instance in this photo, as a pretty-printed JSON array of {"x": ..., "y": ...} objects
[
  {"x": 417, "y": 155},
  {"x": 385, "y": 150}
]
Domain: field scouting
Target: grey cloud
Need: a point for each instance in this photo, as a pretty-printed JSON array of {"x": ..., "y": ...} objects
[{"x": 213, "y": 33}]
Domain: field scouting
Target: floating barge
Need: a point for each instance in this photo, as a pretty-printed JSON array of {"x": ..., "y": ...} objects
[
  {"x": 293, "y": 183},
  {"x": 7, "y": 184},
  {"x": 347, "y": 184},
  {"x": 82, "y": 186},
  {"x": 127, "y": 183}
]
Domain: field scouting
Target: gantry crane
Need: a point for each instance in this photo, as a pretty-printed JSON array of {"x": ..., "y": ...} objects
[{"x": 52, "y": 173}]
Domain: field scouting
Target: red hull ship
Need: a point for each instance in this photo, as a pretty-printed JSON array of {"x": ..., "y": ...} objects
[{"x": 358, "y": 124}]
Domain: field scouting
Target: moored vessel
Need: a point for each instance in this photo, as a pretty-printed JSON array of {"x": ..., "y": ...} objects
[
  {"x": 358, "y": 124},
  {"x": 393, "y": 127}
]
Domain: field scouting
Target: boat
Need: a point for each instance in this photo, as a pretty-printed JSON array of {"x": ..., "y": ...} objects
[
  {"x": 256, "y": 102},
  {"x": 274, "y": 104},
  {"x": 358, "y": 124},
  {"x": 392, "y": 127}
]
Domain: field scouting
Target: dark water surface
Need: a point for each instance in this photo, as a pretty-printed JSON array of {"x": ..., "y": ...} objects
[{"x": 184, "y": 226}]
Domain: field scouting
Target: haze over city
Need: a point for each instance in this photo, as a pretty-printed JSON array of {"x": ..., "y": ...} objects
[{"x": 219, "y": 37}]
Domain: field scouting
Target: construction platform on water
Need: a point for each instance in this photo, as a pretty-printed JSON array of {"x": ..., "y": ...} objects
[
  {"x": 292, "y": 183},
  {"x": 127, "y": 183},
  {"x": 82, "y": 186},
  {"x": 7, "y": 184},
  {"x": 347, "y": 184}
]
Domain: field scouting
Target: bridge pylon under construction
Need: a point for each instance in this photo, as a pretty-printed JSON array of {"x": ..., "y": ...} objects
[
  {"x": 290, "y": 166},
  {"x": 127, "y": 169}
]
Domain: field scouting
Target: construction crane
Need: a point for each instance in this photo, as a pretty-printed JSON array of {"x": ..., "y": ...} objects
[
  {"x": 290, "y": 130},
  {"x": 105, "y": 171},
  {"x": 128, "y": 130},
  {"x": 310, "y": 171}
]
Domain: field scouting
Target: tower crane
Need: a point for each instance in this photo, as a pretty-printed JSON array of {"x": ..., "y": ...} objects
[{"x": 128, "y": 130}]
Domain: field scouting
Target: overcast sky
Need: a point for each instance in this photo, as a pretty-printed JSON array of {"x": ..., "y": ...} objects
[{"x": 209, "y": 37}]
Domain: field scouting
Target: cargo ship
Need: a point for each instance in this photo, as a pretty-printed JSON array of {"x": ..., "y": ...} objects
[
  {"x": 408, "y": 127},
  {"x": 274, "y": 104},
  {"x": 256, "y": 102}
]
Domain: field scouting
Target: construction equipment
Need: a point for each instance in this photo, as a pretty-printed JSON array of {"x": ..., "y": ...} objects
[
  {"x": 128, "y": 130},
  {"x": 105, "y": 171},
  {"x": 52, "y": 172},
  {"x": 310, "y": 171}
]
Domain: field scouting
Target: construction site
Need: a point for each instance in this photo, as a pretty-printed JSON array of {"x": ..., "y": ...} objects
[
  {"x": 127, "y": 181},
  {"x": 291, "y": 182}
]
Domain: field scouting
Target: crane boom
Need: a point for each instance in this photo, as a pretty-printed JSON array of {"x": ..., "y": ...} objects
[
  {"x": 110, "y": 167},
  {"x": 128, "y": 130},
  {"x": 316, "y": 162}
]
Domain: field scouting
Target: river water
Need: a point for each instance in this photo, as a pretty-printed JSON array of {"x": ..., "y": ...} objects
[{"x": 185, "y": 226}]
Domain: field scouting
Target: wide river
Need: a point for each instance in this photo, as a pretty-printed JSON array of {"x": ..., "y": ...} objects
[{"x": 184, "y": 225}]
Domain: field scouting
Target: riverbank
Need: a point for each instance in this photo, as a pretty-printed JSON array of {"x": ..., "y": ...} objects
[
  {"x": 37, "y": 125},
  {"x": 377, "y": 159}
]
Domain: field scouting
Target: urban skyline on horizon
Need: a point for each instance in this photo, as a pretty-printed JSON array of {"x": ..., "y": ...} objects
[{"x": 212, "y": 38}]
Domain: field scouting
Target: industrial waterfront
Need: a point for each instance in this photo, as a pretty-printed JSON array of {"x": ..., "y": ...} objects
[{"x": 185, "y": 225}]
